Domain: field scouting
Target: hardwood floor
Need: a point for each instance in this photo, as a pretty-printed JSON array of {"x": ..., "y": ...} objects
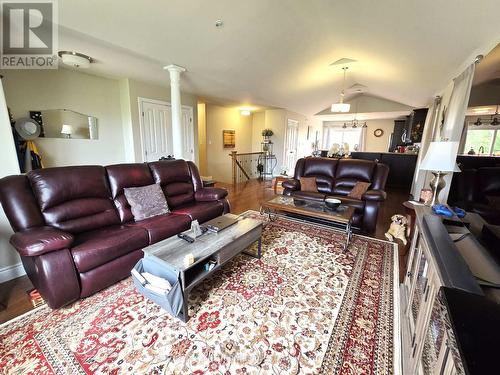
[{"x": 244, "y": 196}]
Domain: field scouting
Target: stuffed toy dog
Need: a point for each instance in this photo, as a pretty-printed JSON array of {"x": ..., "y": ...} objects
[{"x": 397, "y": 229}]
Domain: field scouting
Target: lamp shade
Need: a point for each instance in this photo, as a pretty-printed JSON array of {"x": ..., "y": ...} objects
[
  {"x": 441, "y": 157},
  {"x": 66, "y": 129},
  {"x": 341, "y": 107}
]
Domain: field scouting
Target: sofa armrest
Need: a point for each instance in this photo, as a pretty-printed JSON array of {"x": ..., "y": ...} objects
[
  {"x": 374, "y": 195},
  {"x": 40, "y": 240},
  {"x": 291, "y": 184},
  {"x": 210, "y": 194}
]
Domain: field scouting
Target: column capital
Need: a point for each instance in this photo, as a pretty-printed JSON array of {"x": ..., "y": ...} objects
[{"x": 174, "y": 68}]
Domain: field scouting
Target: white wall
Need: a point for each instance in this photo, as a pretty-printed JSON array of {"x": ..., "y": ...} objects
[
  {"x": 27, "y": 90},
  {"x": 223, "y": 118},
  {"x": 9, "y": 259}
]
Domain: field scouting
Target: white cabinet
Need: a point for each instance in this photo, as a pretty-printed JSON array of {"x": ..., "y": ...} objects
[{"x": 425, "y": 339}]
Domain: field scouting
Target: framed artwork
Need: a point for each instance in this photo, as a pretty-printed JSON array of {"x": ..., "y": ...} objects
[{"x": 229, "y": 138}]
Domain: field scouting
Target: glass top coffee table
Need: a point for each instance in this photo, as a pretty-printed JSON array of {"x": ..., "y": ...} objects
[{"x": 341, "y": 216}]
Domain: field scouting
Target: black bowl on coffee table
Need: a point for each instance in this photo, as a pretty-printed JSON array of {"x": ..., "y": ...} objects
[{"x": 332, "y": 203}]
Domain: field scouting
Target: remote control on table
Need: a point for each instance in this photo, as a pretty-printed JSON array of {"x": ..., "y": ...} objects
[{"x": 185, "y": 238}]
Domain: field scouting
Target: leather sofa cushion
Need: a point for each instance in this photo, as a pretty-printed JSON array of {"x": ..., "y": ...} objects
[
  {"x": 37, "y": 241},
  {"x": 355, "y": 169},
  {"x": 210, "y": 194},
  {"x": 174, "y": 176},
  {"x": 122, "y": 176},
  {"x": 201, "y": 211},
  {"x": 74, "y": 199},
  {"x": 320, "y": 167},
  {"x": 94, "y": 248},
  {"x": 163, "y": 226}
]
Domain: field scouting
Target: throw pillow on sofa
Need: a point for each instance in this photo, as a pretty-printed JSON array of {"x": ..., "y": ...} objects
[
  {"x": 359, "y": 189},
  {"x": 146, "y": 201},
  {"x": 308, "y": 184}
]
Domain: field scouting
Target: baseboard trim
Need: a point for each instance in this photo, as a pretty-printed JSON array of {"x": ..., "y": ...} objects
[{"x": 11, "y": 272}]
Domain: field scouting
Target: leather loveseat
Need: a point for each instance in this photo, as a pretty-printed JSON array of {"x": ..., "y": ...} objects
[
  {"x": 75, "y": 231},
  {"x": 335, "y": 178},
  {"x": 478, "y": 191}
]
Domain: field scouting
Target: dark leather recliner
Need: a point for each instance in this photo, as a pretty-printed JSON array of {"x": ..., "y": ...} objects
[
  {"x": 478, "y": 191},
  {"x": 74, "y": 228},
  {"x": 335, "y": 178}
]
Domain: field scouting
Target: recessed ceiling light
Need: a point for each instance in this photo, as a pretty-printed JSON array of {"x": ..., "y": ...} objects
[{"x": 219, "y": 24}]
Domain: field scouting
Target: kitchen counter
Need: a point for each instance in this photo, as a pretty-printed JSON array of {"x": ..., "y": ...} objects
[{"x": 401, "y": 166}]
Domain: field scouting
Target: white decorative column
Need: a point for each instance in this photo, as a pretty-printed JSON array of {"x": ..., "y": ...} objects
[{"x": 175, "y": 101}]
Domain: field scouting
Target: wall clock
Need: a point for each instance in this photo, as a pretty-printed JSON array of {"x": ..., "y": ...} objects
[{"x": 378, "y": 133}]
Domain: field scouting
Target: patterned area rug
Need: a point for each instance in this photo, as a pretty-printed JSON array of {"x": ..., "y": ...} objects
[{"x": 304, "y": 307}]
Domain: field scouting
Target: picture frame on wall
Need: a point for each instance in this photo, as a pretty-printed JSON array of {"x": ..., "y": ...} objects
[{"x": 229, "y": 138}]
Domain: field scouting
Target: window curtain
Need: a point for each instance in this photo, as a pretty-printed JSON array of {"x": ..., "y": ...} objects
[
  {"x": 362, "y": 139},
  {"x": 451, "y": 129},
  {"x": 455, "y": 115}
]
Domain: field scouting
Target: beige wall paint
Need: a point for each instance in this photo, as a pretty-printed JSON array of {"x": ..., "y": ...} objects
[
  {"x": 202, "y": 138},
  {"x": 218, "y": 119},
  {"x": 136, "y": 90},
  {"x": 9, "y": 165},
  {"x": 258, "y": 124},
  {"x": 378, "y": 144},
  {"x": 57, "y": 89}
]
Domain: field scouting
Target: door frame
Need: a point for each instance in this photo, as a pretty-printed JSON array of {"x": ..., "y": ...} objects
[
  {"x": 140, "y": 101},
  {"x": 288, "y": 120}
]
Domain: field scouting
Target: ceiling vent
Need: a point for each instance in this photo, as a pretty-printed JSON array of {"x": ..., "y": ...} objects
[
  {"x": 343, "y": 61},
  {"x": 357, "y": 87}
]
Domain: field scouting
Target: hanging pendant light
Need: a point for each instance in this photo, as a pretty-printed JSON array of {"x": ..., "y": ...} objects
[
  {"x": 478, "y": 122},
  {"x": 495, "y": 121},
  {"x": 344, "y": 126},
  {"x": 341, "y": 107},
  {"x": 364, "y": 125}
]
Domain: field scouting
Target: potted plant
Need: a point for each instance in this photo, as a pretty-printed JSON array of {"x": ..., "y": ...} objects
[{"x": 267, "y": 133}]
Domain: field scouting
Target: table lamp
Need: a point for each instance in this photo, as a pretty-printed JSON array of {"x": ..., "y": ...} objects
[
  {"x": 67, "y": 130},
  {"x": 440, "y": 159}
]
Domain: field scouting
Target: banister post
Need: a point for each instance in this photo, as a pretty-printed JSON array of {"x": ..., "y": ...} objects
[{"x": 233, "y": 159}]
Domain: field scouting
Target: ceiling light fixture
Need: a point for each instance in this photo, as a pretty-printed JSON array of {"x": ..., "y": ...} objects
[
  {"x": 219, "y": 24},
  {"x": 75, "y": 59},
  {"x": 341, "y": 107},
  {"x": 495, "y": 121},
  {"x": 478, "y": 122},
  {"x": 245, "y": 112}
]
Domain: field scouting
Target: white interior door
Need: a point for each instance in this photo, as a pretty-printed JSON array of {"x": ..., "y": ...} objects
[
  {"x": 291, "y": 140},
  {"x": 156, "y": 130},
  {"x": 187, "y": 133}
]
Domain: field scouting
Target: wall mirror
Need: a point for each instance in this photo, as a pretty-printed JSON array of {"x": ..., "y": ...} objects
[{"x": 65, "y": 123}]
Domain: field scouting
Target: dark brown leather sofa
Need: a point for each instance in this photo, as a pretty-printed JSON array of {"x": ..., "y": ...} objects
[
  {"x": 74, "y": 228},
  {"x": 477, "y": 190},
  {"x": 336, "y": 178}
]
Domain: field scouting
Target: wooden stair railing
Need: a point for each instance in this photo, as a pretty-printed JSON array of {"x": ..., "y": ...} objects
[{"x": 244, "y": 165}]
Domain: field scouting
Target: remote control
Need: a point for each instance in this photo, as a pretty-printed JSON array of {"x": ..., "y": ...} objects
[
  {"x": 441, "y": 209},
  {"x": 185, "y": 238},
  {"x": 459, "y": 212}
]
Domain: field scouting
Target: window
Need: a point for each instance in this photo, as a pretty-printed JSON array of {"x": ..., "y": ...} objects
[
  {"x": 336, "y": 134},
  {"x": 486, "y": 138}
]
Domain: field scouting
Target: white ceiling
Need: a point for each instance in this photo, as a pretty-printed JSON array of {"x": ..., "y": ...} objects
[{"x": 277, "y": 53}]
